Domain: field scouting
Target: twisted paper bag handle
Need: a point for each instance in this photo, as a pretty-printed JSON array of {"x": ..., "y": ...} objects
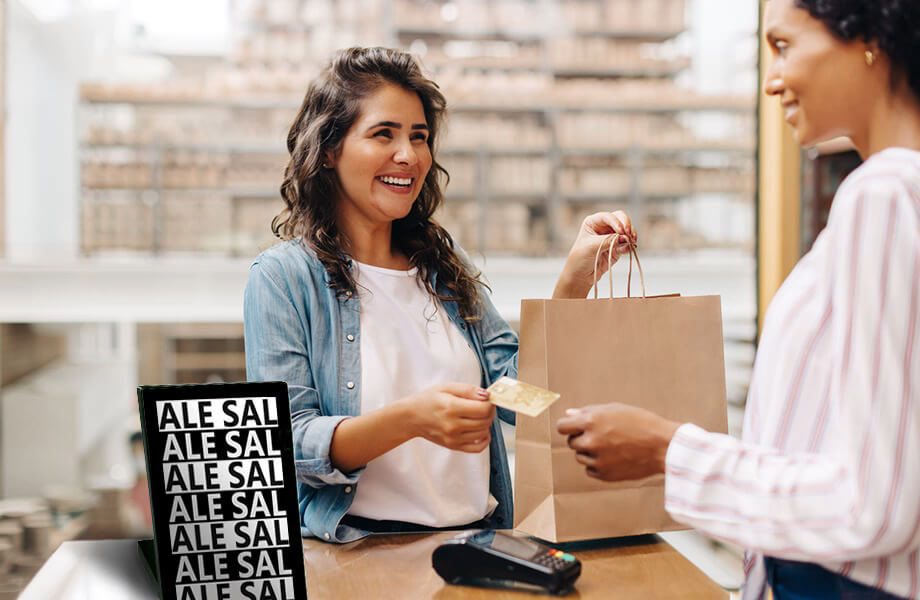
[{"x": 632, "y": 253}]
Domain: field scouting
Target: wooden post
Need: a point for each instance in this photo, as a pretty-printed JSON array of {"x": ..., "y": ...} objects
[{"x": 779, "y": 195}]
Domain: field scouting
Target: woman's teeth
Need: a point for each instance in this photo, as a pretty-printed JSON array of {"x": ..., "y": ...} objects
[{"x": 396, "y": 181}]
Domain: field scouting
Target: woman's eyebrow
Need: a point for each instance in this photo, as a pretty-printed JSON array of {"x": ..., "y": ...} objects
[{"x": 396, "y": 125}]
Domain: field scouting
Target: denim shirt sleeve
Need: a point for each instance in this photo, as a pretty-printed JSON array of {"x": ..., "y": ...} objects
[
  {"x": 499, "y": 340},
  {"x": 500, "y": 347},
  {"x": 276, "y": 339}
]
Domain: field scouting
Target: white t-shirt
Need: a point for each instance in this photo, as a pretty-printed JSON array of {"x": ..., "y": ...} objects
[{"x": 408, "y": 344}]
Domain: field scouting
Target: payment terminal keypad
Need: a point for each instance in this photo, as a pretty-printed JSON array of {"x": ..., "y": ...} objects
[{"x": 555, "y": 559}]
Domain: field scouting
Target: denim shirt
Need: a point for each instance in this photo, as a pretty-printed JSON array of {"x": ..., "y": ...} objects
[{"x": 298, "y": 331}]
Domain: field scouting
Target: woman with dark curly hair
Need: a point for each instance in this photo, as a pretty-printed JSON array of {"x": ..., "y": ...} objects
[
  {"x": 377, "y": 320},
  {"x": 825, "y": 482}
]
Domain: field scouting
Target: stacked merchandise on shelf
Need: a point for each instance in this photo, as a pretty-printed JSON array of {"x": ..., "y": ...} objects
[
  {"x": 590, "y": 119},
  {"x": 557, "y": 109},
  {"x": 31, "y": 529},
  {"x": 190, "y": 353}
]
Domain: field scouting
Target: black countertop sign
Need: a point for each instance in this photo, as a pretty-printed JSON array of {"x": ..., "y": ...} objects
[{"x": 220, "y": 466}]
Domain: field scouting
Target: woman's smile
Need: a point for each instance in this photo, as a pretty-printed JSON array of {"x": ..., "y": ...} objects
[
  {"x": 399, "y": 184},
  {"x": 792, "y": 111}
]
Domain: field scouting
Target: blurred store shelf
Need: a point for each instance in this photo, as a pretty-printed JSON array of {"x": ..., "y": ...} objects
[
  {"x": 128, "y": 289},
  {"x": 189, "y": 309},
  {"x": 190, "y": 288}
]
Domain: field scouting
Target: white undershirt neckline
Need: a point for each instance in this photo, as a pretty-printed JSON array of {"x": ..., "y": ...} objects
[{"x": 408, "y": 344}]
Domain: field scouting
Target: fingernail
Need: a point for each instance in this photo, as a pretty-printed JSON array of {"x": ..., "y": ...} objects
[
  {"x": 482, "y": 393},
  {"x": 572, "y": 411}
]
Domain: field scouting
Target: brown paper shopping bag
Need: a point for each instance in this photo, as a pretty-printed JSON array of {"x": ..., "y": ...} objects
[{"x": 664, "y": 354}]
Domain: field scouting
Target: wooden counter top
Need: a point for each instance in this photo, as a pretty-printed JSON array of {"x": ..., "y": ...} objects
[{"x": 399, "y": 567}]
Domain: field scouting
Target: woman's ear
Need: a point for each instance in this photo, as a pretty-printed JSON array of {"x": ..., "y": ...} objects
[
  {"x": 329, "y": 160},
  {"x": 872, "y": 53}
]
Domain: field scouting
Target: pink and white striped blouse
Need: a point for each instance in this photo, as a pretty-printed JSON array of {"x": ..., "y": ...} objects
[{"x": 828, "y": 470}]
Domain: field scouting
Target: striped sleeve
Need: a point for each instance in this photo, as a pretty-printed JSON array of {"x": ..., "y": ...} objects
[{"x": 861, "y": 500}]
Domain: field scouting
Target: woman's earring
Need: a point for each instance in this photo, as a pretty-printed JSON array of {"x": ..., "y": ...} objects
[{"x": 870, "y": 58}]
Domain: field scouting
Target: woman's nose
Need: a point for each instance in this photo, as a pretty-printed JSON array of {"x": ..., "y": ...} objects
[
  {"x": 405, "y": 154},
  {"x": 773, "y": 82}
]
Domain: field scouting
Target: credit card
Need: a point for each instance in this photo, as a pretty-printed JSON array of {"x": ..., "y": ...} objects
[{"x": 520, "y": 397}]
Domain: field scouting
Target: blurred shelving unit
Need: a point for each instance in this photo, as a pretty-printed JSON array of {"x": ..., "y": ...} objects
[
  {"x": 585, "y": 92},
  {"x": 558, "y": 109},
  {"x": 190, "y": 353},
  {"x": 169, "y": 182}
]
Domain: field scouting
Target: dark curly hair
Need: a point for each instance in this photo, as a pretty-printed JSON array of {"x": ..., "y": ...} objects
[
  {"x": 332, "y": 104},
  {"x": 892, "y": 24}
]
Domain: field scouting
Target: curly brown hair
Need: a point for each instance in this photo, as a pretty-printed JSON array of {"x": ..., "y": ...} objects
[{"x": 331, "y": 106}]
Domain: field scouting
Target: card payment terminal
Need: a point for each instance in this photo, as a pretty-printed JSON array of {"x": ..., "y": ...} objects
[{"x": 483, "y": 555}]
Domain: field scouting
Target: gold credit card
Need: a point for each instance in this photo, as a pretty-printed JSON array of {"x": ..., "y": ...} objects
[{"x": 520, "y": 397}]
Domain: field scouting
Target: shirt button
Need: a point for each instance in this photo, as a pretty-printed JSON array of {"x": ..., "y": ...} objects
[
  {"x": 326, "y": 535},
  {"x": 350, "y": 385},
  {"x": 350, "y": 337},
  {"x": 347, "y": 489}
]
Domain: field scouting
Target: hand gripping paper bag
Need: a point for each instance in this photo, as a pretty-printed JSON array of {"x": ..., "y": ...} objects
[{"x": 662, "y": 353}]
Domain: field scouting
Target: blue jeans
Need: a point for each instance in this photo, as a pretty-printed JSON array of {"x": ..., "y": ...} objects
[{"x": 791, "y": 580}]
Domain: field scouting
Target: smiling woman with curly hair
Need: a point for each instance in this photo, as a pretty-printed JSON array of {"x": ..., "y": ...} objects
[{"x": 377, "y": 321}]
